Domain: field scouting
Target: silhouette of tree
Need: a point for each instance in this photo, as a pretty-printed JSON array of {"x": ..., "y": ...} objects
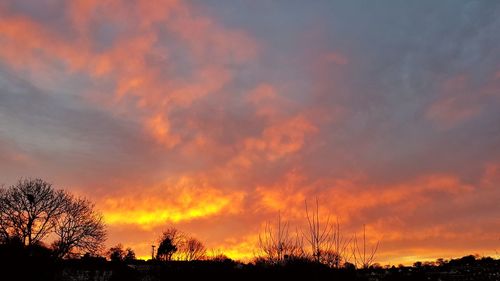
[
  {"x": 276, "y": 244},
  {"x": 78, "y": 229},
  {"x": 116, "y": 253},
  {"x": 129, "y": 255},
  {"x": 363, "y": 257},
  {"x": 318, "y": 235},
  {"x": 192, "y": 249},
  {"x": 5, "y": 222},
  {"x": 175, "y": 245},
  {"x": 32, "y": 210},
  {"x": 328, "y": 244},
  {"x": 336, "y": 256},
  {"x": 218, "y": 256},
  {"x": 170, "y": 242},
  {"x": 165, "y": 250},
  {"x": 29, "y": 210}
]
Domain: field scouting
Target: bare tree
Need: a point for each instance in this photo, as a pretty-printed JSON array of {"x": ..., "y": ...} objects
[
  {"x": 176, "y": 245},
  {"x": 319, "y": 233},
  {"x": 32, "y": 209},
  {"x": 276, "y": 244},
  {"x": 328, "y": 244},
  {"x": 338, "y": 253},
  {"x": 363, "y": 257},
  {"x": 29, "y": 210},
  {"x": 217, "y": 255},
  {"x": 78, "y": 229},
  {"x": 5, "y": 222},
  {"x": 192, "y": 249}
]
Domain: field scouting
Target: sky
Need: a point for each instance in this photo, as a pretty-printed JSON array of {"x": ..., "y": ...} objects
[{"x": 216, "y": 116}]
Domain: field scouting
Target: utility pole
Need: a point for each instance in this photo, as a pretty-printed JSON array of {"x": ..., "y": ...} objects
[{"x": 152, "y": 252}]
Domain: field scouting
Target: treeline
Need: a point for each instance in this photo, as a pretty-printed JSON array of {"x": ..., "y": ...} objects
[
  {"x": 323, "y": 242},
  {"x": 50, "y": 234},
  {"x": 35, "y": 215}
]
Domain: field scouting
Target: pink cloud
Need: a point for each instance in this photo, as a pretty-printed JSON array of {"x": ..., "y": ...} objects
[{"x": 454, "y": 104}]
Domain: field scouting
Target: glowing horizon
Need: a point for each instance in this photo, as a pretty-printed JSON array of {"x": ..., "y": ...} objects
[{"x": 215, "y": 116}]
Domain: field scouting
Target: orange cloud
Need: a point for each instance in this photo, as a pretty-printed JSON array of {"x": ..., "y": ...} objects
[
  {"x": 241, "y": 248},
  {"x": 269, "y": 103},
  {"x": 160, "y": 128},
  {"x": 262, "y": 93},
  {"x": 285, "y": 196},
  {"x": 448, "y": 112},
  {"x": 174, "y": 201},
  {"x": 210, "y": 47},
  {"x": 491, "y": 175},
  {"x": 453, "y": 106},
  {"x": 162, "y": 64},
  {"x": 278, "y": 140}
]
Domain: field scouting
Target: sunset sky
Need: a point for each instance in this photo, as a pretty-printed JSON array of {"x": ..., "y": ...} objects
[{"x": 214, "y": 116}]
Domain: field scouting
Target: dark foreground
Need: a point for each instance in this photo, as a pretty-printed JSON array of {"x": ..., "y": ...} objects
[{"x": 42, "y": 267}]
